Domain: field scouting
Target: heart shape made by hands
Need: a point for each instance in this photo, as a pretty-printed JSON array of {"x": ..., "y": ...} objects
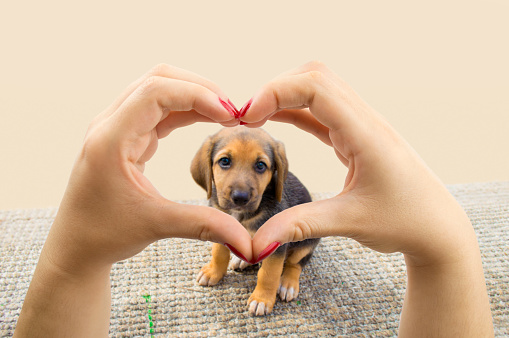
[{"x": 234, "y": 111}]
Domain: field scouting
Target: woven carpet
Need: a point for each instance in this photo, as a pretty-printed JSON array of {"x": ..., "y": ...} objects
[{"x": 346, "y": 289}]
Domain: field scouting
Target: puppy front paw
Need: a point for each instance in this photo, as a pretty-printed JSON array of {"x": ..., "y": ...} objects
[
  {"x": 261, "y": 303},
  {"x": 238, "y": 264},
  {"x": 289, "y": 288},
  {"x": 288, "y": 293},
  {"x": 210, "y": 275}
]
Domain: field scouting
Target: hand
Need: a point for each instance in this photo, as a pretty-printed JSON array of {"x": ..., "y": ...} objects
[
  {"x": 391, "y": 202},
  {"x": 110, "y": 211}
]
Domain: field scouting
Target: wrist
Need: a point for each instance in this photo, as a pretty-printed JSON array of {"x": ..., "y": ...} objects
[
  {"x": 446, "y": 297},
  {"x": 70, "y": 250},
  {"x": 70, "y": 266},
  {"x": 452, "y": 243},
  {"x": 65, "y": 301}
]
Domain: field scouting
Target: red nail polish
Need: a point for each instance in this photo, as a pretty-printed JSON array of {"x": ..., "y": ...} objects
[
  {"x": 244, "y": 109},
  {"x": 234, "y": 108},
  {"x": 267, "y": 252},
  {"x": 230, "y": 109},
  {"x": 242, "y": 123},
  {"x": 236, "y": 252}
]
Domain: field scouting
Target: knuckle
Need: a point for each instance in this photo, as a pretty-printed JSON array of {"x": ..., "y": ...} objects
[
  {"x": 272, "y": 88},
  {"x": 302, "y": 230},
  {"x": 202, "y": 227},
  {"x": 204, "y": 233},
  {"x": 93, "y": 148},
  {"x": 161, "y": 69},
  {"x": 316, "y": 65},
  {"x": 190, "y": 96},
  {"x": 316, "y": 76},
  {"x": 320, "y": 81},
  {"x": 149, "y": 85}
]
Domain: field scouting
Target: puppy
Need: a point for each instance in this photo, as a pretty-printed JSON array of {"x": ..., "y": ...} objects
[{"x": 245, "y": 174}]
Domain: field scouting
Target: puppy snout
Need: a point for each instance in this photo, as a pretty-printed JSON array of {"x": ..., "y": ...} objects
[{"x": 240, "y": 197}]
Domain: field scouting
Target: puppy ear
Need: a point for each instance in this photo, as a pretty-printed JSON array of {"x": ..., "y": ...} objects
[
  {"x": 281, "y": 168},
  {"x": 201, "y": 166}
]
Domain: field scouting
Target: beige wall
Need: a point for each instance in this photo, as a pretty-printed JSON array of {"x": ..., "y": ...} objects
[{"x": 438, "y": 71}]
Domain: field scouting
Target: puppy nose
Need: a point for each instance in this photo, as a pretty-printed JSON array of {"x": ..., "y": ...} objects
[{"x": 240, "y": 197}]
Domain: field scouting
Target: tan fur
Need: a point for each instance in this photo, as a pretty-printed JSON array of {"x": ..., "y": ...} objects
[
  {"x": 244, "y": 150},
  {"x": 206, "y": 171},
  {"x": 290, "y": 278},
  {"x": 201, "y": 169},
  {"x": 282, "y": 169},
  {"x": 292, "y": 269},
  {"x": 268, "y": 281},
  {"x": 217, "y": 267},
  {"x": 241, "y": 175}
]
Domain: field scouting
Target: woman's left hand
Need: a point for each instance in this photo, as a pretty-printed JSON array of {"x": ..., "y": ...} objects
[{"x": 110, "y": 210}]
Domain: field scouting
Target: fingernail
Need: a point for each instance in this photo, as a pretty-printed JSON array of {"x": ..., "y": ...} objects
[
  {"x": 233, "y": 106},
  {"x": 230, "y": 109},
  {"x": 242, "y": 123},
  {"x": 244, "y": 109},
  {"x": 267, "y": 252},
  {"x": 236, "y": 252}
]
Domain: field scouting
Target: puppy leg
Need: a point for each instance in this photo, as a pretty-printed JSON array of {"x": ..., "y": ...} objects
[
  {"x": 238, "y": 264},
  {"x": 263, "y": 297},
  {"x": 214, "y": 271},
  {"x": 289, "y": 288}
]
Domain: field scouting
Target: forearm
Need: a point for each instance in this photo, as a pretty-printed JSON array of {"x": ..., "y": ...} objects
[
  {"x": 449, "y": 300},
  {"x": 63, "y": 304}
]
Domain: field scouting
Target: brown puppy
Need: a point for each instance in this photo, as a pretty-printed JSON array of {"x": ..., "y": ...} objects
[{"x": 245, "y": 174}]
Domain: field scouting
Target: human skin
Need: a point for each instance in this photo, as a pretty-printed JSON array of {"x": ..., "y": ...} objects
[
  {"x": 110, "y": 211},
  {"x": 391, "y": 202}
]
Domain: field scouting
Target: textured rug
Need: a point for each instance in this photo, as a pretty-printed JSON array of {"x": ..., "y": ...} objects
[{"x": 346, "y": 289}]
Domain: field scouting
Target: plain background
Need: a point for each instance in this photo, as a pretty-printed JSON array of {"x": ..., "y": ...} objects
[{"x": 437, "y": 70}]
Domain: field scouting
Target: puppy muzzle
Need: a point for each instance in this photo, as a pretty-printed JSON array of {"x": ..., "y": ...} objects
[{"x": 240, "y": 197}]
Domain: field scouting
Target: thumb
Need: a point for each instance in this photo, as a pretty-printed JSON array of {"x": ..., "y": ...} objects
[
  {"x": 203, "y": 223},
  {"x": 331, "y": 217}
]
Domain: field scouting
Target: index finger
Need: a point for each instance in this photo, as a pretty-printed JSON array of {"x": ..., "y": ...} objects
[
  {"x": 305, "y": 120},
  {"x": 167, "y": 71},
  {"x": 152, "y": 101},
  {"x": 347, "y": 117}
]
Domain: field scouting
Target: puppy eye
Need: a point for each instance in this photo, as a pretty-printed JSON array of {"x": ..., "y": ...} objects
[
  {"x": 260, "y": 167},
  {"x": 224, "y": 162}
]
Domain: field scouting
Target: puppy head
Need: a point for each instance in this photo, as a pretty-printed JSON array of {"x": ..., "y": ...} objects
[{"x": 240, "y": 163}]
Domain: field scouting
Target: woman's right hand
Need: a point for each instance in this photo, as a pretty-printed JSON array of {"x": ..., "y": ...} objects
[{"x": 391, "y": 201}]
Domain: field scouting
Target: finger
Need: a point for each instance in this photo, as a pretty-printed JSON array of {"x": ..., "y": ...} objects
[
  {"x": 315, "y": 66},
  {"x": 332, "y": 217},
  {"x": 337, "y": 108},
  {"x": 257, "y": 124},
  {"x": 179, "y": 119},
  {"x": 303, "y": 119},
  {"x": 198, "y": 222},
  {"x": 170, "y": 72},
  {"x": 298, "y": 91},
  {"x": 144, "y": 109}
]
